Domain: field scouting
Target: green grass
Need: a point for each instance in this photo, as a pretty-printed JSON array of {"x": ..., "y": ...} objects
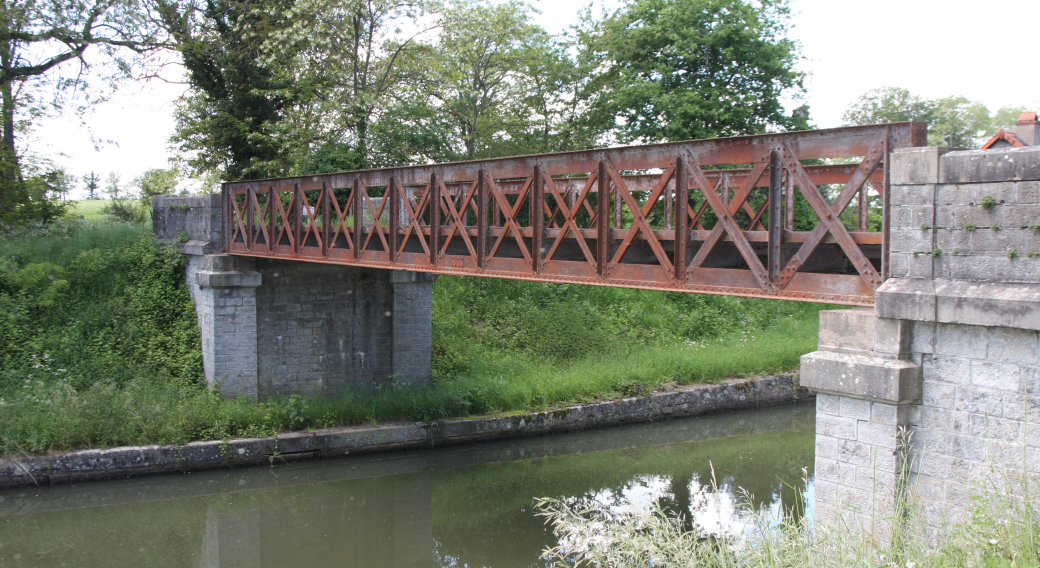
[
  {"x": 99, "y": 347},
  {"x": 90, "y": 209}
]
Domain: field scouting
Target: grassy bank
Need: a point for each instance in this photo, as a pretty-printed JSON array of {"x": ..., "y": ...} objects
[
  {"x": 100, "y": 347},
  {"x": 89, "y": 209}
]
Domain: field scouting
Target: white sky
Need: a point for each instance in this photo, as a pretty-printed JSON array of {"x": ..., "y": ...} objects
[{"x": 984, "y": 51}]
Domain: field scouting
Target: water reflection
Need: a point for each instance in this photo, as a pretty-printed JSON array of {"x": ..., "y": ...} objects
[{"x": 466, "y": 506}]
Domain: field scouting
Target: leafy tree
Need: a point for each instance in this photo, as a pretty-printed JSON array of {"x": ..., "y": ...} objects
[
  {"x": 36, "y": 39},
  {"x": 225, "y": 121},
  {"x": 91, "y": 182},
  {"x": 681, "y": 69},
  {"x": 953, "y": 121},
  {"x": 344, "y": 60},
  {"x": 489, "y": 73},
  {"x": 156, "y": 181}
]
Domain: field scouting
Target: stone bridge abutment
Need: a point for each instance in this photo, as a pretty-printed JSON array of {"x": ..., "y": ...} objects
[
  {"x": 934, "y": 392},
  {"x": 277, "y": 327}
]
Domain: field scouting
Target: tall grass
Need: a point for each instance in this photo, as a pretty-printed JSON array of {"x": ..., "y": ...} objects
[
  {"x": 1001, "y": 531},
  {"x": 99, "y": 347}
]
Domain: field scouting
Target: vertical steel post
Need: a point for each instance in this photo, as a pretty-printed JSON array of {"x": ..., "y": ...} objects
[
  {"x": 435, "y": 217},
  {"x": 682, "y": 221},
  {"x": 602, "y": 222},
  {"x": 272, "y": 217},
  {"x": 885, "y": 208},
  {"x": 393, "y": 194},
  {"x": 358, "y": 225},
  {"x": 326, "y": 218},
  {"x": 226, "y": 217},
  {"x": 537, "y": 219},
  {"x": 482, "y": 217},
  {"x": 297, "y": 217},
  {"x": 789, "y": 198},
  {"x": 776, "y": 192},
  {"x": 250, "y": 236}
]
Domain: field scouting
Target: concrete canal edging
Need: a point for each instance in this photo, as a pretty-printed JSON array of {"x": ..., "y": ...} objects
[{"x": 130, "y": 461}]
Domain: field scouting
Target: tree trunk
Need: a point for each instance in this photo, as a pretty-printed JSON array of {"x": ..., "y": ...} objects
[{"x": 8, "y": 157}]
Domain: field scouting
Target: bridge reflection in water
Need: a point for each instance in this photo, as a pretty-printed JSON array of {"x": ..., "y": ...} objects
[{"x": 469, "y": 505}]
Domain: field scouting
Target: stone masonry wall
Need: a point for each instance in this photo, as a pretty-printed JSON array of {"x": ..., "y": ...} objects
[
  {"x": 975, "y": 217},
  {"x": 936, "y": 390},
  {"x": 275, "y": 327},
  {"x": 323, "y": 328},
  {"x": 194, "y": 222}
]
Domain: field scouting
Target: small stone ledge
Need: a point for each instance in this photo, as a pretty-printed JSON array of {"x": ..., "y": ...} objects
[
  {"x": 988, "y": 304},
  {"x": 199, "y": 248},
  {"x": 906, "y": 299},
  {"x": 353, "y": 440},
  {"x": 207, "y": 279},
  {"x": 893, "y": 381}
]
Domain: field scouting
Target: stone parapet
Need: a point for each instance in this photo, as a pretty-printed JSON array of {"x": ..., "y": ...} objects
[{"x": 194, "y": 222}]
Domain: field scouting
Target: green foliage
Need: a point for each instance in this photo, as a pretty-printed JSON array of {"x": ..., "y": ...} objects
[
  {"x": 332, "y": 157},
  {"x": 953, "y": 121},
  {"x": 226, "y": 120},
  {"x": 156, "y": 181},
  {"x": 1012, "y": 254},
  {"x": 99, "y": 346},
  {"x": 102, "y": 303},
  {"x": 681, "y": 69},
  {"x": 969, "y": 227},
  {"x": 127, "y": 211},
  {"x": 34, "y": 198},
  {"x": 988, "y": 202}
]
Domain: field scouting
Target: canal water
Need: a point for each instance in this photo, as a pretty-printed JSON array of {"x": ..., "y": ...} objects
[{"x": 459, "y": 506}]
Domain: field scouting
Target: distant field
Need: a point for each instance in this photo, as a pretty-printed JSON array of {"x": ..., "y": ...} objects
[{"x": 89, "y": 209}]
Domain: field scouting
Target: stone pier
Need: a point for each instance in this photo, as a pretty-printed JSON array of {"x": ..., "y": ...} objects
[
  {"x": 275, "y": 327},
  {"x": 936, "y": 390}
]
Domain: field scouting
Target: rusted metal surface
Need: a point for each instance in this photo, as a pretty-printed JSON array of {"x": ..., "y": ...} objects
[{"x": 711, "y": 216}]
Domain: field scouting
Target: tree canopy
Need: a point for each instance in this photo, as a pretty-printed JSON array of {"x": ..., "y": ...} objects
[
  {"x": 293, "y": 86},
  {"x": 953, "y": 121},
  {"x": 682, "y": 69}
]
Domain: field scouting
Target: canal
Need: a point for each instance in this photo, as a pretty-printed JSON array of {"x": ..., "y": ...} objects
[{"x": 459, "y": 506}]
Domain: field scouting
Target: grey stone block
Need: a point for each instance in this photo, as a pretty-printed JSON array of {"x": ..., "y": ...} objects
[
  {"x": 208, "y": 279},
  {"x": 1027, "y": 192},
  {"x": 996, "y": 165},
  {"x": 915, "y": 166},
  {"x": 873, "y": 378},
  {"x": 987, "y": 304},
  {"x": 907, "y": 299},
  {"x": 961, "y": 340},
  {"x": 1014, "y": 345},
  {"x": 847, "y": 329}
]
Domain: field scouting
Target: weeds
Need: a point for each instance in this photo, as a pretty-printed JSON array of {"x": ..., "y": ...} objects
[{"x": 1002, "y": 530}]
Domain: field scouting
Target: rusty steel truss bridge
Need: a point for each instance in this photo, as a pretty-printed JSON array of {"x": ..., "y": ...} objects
[{"x": 800, "y": 215}]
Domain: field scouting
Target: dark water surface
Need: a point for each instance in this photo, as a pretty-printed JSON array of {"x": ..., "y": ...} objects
[{"x": 460, "y": 506}]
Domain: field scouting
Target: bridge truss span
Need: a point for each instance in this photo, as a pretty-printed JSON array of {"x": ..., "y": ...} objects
[{"x": 799, "y": 215}]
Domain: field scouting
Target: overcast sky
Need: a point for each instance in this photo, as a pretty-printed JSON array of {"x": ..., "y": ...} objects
[{"x": 984, "y": 51}]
